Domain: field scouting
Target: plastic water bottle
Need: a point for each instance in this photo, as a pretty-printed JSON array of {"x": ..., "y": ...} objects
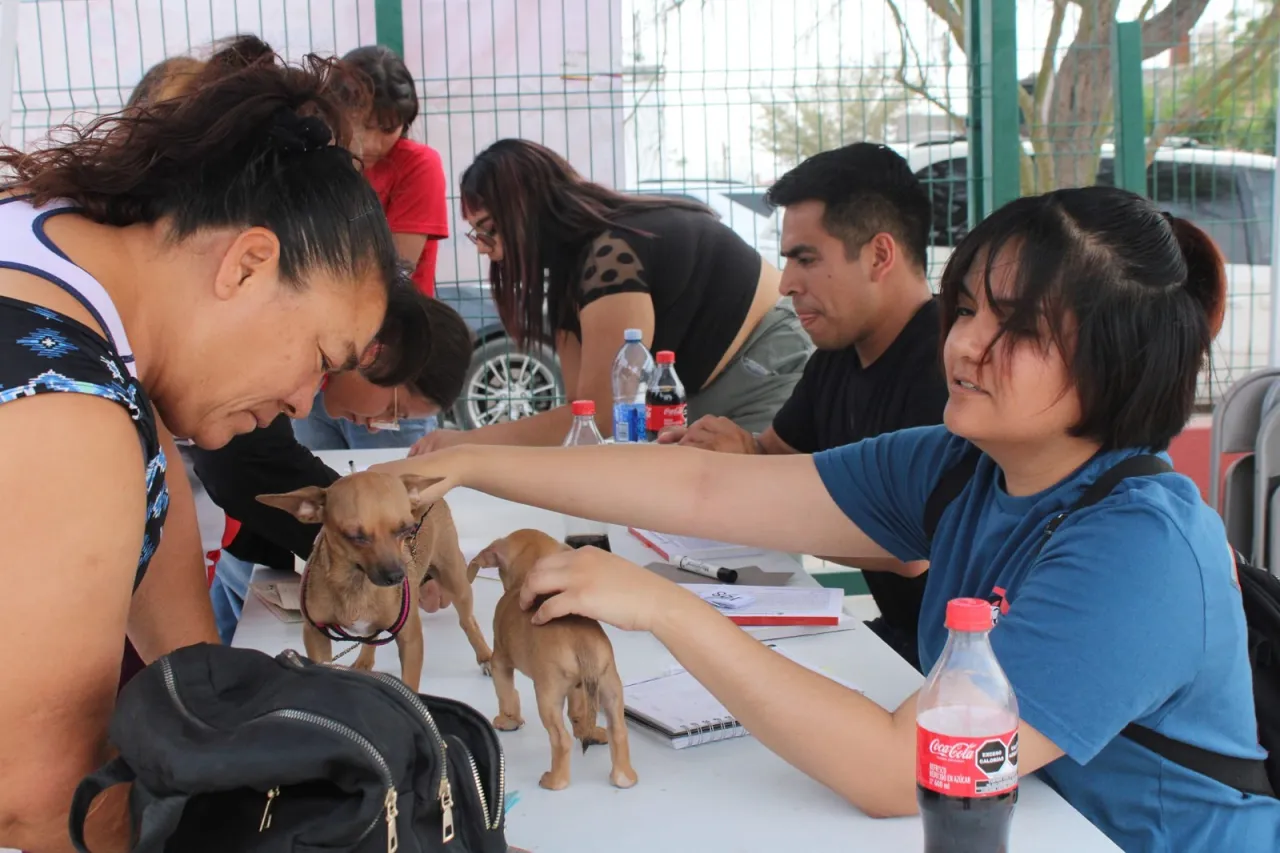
[
  {"x": 581, "y": 532},
  {"x": 632, "y": 368},
  {"x": 967, "y": 740}
]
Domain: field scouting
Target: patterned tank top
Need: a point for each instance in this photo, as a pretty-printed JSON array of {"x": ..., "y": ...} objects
[{"x": 45, "y": 352}]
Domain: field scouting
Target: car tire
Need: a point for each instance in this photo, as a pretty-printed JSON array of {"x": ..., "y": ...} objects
[{"x": 505, "y": 384}]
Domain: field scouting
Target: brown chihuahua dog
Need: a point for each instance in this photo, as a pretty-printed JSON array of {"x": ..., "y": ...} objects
[
  {"x": 379, "y": 541},
  {"x": 570, "y": 657}
]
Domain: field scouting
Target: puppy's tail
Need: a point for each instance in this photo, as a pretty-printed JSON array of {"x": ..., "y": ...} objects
[{"x": 589, "y": 666}]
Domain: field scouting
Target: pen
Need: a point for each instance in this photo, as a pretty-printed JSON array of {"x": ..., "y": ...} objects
[{"x": 698, "y": 567}]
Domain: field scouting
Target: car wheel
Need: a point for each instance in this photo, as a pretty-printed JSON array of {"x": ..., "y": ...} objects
[{"x": 506, "y": 384}]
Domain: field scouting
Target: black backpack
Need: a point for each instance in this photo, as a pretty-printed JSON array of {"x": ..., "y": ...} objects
[
  {"x": 1261, "y": 593},
  {"x": 232, "y": 750}
]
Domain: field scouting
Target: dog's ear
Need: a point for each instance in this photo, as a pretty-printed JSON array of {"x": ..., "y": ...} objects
[
  {"x": 305, "y": 504},
  {"x": 419, "y": 488},
  {"x": 492, "y": 557}
]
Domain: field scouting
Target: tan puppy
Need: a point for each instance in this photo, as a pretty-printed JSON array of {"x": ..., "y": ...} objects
[
  {"x": 379, "y": 542},
  {"x": 569, "y": 658}
]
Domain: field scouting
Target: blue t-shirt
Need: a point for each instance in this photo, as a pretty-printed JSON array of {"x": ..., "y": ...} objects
[{"x": 1131, "y": 612}]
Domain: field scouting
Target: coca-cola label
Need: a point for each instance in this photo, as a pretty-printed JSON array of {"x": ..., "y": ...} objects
[
  {"x": 966, "y": 766},
  {"x": 660, "y": 416}
]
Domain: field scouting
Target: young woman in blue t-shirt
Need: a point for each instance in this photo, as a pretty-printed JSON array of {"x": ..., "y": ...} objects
[{"x": 1075, "y": 327}]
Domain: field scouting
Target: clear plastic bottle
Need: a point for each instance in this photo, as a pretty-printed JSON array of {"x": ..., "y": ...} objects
[
  {"x": 581, "y": 532},
  {"x": 967, "y": 740},
  {"x": 665, "y": 402},
  {"x": 632, "y": 368}
]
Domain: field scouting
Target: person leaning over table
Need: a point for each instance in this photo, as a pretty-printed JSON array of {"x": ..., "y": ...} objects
[
  {"x": 1075, "y": 326},
  {"x": 189, "y": 268},
  {"x": 416, "y": 366},
  {"x": 855, "y": 232},
  {"x": 408, "y": 177},
  {"x": 592, "y": 263}
]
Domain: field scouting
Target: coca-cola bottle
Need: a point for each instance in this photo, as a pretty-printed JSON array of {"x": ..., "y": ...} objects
[
  {"x": 967, "y": 740},
  {"x": 581, "y": 532},
  {"x": 665, "y": 403}
]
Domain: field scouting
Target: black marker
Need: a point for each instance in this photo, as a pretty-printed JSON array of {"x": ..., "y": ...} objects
[{"x": 698, "y": 567}]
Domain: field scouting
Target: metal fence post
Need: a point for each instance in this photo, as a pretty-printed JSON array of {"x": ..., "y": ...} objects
[
  {"x": 995, "y": 142},
  {"x": 388, "y": 22},
  {"x": 1130, "y": 122},
  {"x": 977, "y": 130}
]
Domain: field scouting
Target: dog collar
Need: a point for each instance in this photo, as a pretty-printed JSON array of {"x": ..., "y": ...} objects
[
  {"x": 339, "y": 634},
  {"x": 413, "y": 540}
]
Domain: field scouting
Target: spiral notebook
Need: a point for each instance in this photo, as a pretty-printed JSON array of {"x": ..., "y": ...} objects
[{"x": 680, "y": 709}]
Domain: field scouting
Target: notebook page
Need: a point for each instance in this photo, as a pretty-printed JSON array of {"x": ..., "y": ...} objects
[
  {"x": 691, "y": 546},
  {"x": 674, "y": 704},
  {"x": 774, "y": 600}
]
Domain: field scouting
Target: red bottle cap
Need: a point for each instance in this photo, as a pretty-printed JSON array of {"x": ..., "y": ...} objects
[
  {"x": 666, "y": 356},
  {"x": 969, "y": 614},
  {"x": 584, "y": 407}
]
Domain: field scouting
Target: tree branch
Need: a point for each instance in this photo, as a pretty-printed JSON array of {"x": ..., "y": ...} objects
[
  {"x": 1244, "y": 64},
  {"x": 951, "y": 15},
  {"x": 905, "y": 44},
  {"x": 1167, "y": 27}
]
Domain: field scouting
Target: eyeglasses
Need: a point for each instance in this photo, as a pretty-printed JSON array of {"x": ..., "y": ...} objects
[
  {"x": 393, "y": 425},
  {"x": 483, "y": 237}
]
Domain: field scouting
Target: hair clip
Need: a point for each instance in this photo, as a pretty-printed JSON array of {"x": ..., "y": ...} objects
[{"x": 290, "y": 133}]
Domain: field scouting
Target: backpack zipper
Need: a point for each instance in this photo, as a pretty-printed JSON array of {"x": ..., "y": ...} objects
[
  {"x": 491, "y": 820},
  {"x": 389, "y": 810},
  {"x": 444, "y": 792},
  {"x": 384, "y": 770}
]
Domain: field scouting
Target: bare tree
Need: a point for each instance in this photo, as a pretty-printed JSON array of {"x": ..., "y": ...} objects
[
  {"x": 1068, "y": 110},
  {"x": 841, "y": 107}
]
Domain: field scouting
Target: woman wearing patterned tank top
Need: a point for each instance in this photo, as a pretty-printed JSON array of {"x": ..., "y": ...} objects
[
  {"x": 580, "y": 263},
  {"x": 191, "y": 267}
]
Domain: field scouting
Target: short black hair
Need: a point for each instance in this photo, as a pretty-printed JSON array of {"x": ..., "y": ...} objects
[
  {"x": 1131, "y": 297},
  {"x": 423, "y": 343},
  {"x": 395, "y": 98},
  {"x": 868, "y": 189}
]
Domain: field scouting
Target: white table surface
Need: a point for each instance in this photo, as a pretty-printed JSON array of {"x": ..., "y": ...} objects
[{"x": 729, "y": 796}]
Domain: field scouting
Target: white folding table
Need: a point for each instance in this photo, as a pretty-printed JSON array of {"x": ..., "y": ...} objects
[{"x": 733, "y": 796}]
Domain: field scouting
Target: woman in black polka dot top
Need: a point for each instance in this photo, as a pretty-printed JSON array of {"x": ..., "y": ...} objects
[{"x": 578, "y": 263}]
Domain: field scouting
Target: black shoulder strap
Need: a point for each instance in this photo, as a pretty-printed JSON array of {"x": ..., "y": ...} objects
[
  {"x": 1134, "y": 466},
  {"x": 948, "y": 488},
  {"x": 1246, "y": 775}
]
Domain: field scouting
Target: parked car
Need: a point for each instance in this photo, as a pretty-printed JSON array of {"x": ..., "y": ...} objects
[
  {"x": 1227, "y": 193},
  {"x": 505, "y": 383}
]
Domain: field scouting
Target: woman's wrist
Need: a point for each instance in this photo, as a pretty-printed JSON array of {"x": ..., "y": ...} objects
[{"x": 675, "y": 612}]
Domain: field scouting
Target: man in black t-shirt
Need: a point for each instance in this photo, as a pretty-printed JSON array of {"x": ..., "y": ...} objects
[{"x": 854, "y": 233}]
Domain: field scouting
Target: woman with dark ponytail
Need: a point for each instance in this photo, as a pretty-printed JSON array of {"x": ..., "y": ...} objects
[
  {"x": 191, "y": 267},
  {"x": 1075, "y": 327}
]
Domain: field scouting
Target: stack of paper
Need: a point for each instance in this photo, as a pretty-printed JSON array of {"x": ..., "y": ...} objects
[
  {"x": 279, "y": 591},
  {"x": 673, "y": 547},
  {"x": 773, "y": 605}
]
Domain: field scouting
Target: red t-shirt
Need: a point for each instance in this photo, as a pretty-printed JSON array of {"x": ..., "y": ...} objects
[{"x": 410, "y": 184}]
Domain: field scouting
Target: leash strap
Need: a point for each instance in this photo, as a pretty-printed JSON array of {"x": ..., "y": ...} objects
[{"x": 338, "y": 634}]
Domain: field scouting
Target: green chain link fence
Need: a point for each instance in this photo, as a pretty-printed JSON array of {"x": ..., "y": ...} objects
[{"x": 715, "y": 98}]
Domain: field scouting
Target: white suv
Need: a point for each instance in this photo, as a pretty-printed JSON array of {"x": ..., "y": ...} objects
[{"x": 1227, "y": 193}]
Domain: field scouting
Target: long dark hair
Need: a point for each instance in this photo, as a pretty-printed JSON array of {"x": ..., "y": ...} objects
[
  {"x": 546, "y": 214},
  {"x": 242, "y": 148},
  {"x": 1131, "y": 297}
]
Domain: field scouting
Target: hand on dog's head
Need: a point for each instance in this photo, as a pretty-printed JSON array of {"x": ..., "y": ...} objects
[{"x": 368, "y": 517}]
